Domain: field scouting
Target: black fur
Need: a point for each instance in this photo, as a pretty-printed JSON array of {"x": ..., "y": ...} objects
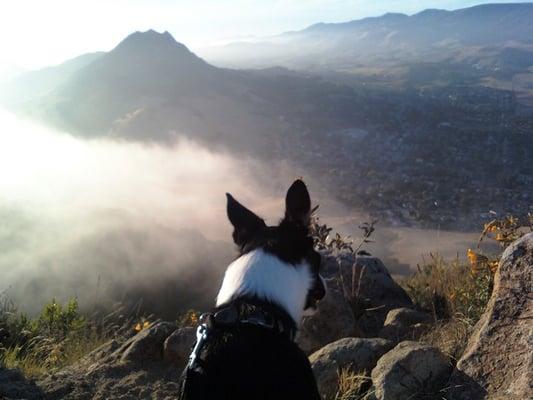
[
  {"x": 250, "y": 362},
  {"x": 253, "y": 362}
]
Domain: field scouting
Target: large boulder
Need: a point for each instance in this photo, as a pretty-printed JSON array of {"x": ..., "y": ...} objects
[
  {"x": 405, "y": 324},
  {"x": 355, "y": 354},
  {"x": 333, "y": 320},
  {"x": 147, "y": 345},
  {"x": 178, "y": 346},
  {"x": 376, "y": 293},
  {"x": 410, "y": 371},
  {"x": 498, "y": 361}
]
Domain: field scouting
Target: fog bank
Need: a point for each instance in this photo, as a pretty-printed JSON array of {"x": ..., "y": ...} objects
[{"x": 112, "y": 221}]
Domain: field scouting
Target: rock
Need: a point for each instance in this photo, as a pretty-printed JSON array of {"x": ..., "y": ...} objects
[
  {"x": 333, "y": 320},
  {"x": 147, "y": 345},
  {"x": 409, "y": 371},
  {"x": 178, "y": 345},
  {"x": 357, "y": 354},
  {"x": 498, "y": 360},
  {"x": 376, "y": 292},
  {"x": 405, "y": 324},
  {"x": 13, "y": 386},
  {"x": 123, "y": 368}
]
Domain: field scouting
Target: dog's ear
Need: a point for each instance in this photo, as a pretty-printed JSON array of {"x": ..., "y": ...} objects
[
  {"x": 245, "y": 223},
  {"x": 298, "y": 204}
]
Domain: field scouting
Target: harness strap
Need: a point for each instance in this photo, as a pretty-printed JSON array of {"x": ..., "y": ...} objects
[
  {"x": 251, "y": 314},
  {"x": 231, "y": 316}
]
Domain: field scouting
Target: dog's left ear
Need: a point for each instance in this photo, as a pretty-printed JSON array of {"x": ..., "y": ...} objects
[
  {"x": 246, "y": 224},
  {"x": 298, "y": 204}
]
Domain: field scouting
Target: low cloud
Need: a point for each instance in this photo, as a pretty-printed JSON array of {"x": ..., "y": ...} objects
[{"x": 110, "y": 221}]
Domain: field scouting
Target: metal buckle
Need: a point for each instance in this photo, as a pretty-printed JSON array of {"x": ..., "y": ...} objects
[{"x": 201, "y": 336}]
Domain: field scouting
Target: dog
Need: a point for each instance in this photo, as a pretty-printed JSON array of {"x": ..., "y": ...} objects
[{"x": 245, "y": 347}]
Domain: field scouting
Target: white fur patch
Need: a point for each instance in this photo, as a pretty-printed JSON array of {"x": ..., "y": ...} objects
[{"x": 264, "y": 275}]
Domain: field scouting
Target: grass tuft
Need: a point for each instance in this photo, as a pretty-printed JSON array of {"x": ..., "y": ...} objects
[{"x": 353, "y": 385}]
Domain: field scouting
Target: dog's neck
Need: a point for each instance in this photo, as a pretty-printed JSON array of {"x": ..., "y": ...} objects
[{"x": 264, "y": 276}]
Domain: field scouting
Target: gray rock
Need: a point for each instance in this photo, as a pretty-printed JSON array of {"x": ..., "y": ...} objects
[
  {"x": 333, "y": 320},
  {"x": 405, "y": 324},
  {"x": 375, "y": 291},
  {"x": 498, "y": 361},
  {"x": 411, "y": 370},
  {"x": 13, "y": 385},
  {"x": 356, "y": 354},
  {"x": 124, "y": 368},
  {"x": 147, "y": 345},
  {"x": 178, "y": 345}
]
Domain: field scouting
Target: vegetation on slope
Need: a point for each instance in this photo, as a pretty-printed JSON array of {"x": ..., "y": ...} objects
[{"x": 57, "y": 337}]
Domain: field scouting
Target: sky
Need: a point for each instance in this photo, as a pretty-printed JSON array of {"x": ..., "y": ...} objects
[{"x": 37, "y": 33}]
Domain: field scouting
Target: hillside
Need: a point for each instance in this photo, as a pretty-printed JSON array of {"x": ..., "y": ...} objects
[{"x": 416, "y": 156}]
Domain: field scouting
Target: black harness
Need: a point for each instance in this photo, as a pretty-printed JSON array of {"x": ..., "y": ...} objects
[{"x": 230, "y": 317}]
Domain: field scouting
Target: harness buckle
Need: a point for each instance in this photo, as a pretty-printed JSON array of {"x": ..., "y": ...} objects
[{"x": 201, "y": 336}]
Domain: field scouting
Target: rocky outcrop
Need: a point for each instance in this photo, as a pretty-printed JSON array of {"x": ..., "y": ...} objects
[
  {"x": 338, "y": 316},
  {"x": 333, "y": 320},
  {"x": 498, "y": 361},
  {"x": 409, "y": 371},
  {"x": 129, "y": 368},
  {"x": 177, "y": 347},
  {"x": 405, "y": 324},
  {"x": 376, "y": 293},
  {"x": 356, "y": 354}
]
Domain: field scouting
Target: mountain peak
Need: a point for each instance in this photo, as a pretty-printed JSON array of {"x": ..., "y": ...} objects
[
  {"x": 154, "y": 47},
  {"x": 150, "y": 38}
]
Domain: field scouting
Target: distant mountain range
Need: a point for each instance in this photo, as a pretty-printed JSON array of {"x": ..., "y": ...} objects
[
  {"x": 429, "y": 36},
  {"x": 418, "y": 149},
  {"x": 491, "y": 45}
]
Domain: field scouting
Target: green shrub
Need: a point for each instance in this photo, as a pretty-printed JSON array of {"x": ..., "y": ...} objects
[
  {"x": 59, "y": 321},
  {"x": 57, "y": 337}
]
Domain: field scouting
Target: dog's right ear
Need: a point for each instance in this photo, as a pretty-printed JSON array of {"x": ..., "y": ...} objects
[{"x": 245, "y": 223}]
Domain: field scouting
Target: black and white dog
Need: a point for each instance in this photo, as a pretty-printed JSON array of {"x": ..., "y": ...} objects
[{"x": 245, "y": 348}]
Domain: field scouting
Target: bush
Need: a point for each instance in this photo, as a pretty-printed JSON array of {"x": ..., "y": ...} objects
[
  {"x": 57, "y": 337},
  {"x": 59, "y": 322},
  {"x": 337, "y": 244}
]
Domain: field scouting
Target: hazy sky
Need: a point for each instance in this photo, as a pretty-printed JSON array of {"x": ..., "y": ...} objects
[{"x": 36, "y": 33}]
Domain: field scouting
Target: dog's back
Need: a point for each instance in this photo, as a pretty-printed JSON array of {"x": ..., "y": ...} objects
[{"x": 250, "y": 362}]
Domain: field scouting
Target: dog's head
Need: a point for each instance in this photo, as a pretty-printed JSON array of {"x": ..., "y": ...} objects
[{"x": 282, "y": 256}]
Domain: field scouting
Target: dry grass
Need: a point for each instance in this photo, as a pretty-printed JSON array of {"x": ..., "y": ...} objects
[
  {"x": 51, "y": 356},
  {"x": 353, "y": 386},
  {"x": 456, "y": 292},
  {"x": 450, "y": 337},
  {"x": 450, "y": 288}
]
